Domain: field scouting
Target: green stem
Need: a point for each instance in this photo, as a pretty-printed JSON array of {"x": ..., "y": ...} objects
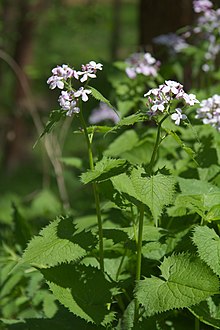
[
  {"x": 197, "y": 324},
  {"x": 95, "y": 192},
  {"x": 121, "y": 264},
  {"x": 139, "y": 253},
  {"x": 157, "y": 143}
]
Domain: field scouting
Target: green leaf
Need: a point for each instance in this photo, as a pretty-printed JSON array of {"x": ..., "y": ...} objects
[
  {"x": 188, "y": 204},
  {"x": 10, "y": 284},
  {"x": 104, "y": 169},
  {"x": 127, "y": 321},
  {"x": 154, "y": 250},
  {"x": 54, "y": 118},
  {"x": 6, "y": 211},
  {"x": 49, "y": 305},
  {"x": 98, "y": 96},
  {"x": 213, "y": 214},
  {"x": 72, "y": 161},
  {"x": 59, "y": 242},
  {"x": 45, "y": 204},
  {"x": 22, "y": 230},
  {"x": 62, "y": 320},
  {"x": 83, "y": 290},
  {"x": 98, "y": 129},
  {"x": 208, "y": 312},
  {"x": 130, "y": 120},
  {"x": 125, "y": 106},
  {"x": 197, "y": 196},
  {"x": 196, "y": 187},
  {"x": 124, "y": 142},
  {"x": 208, "y": 247},
  {"x": 212, "y": 198},
  {"x": 187, "y": 149},
  {"x": 155, "y": 191},
  {"x": 207, "y": 174},
  {"x": 185, "y": 281}
]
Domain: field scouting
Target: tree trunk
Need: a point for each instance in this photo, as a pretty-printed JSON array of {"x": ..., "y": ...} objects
[
  {"x": 161, "y": 17},
  {"x": 21, "y": 18},
  {"x": 116, "y": 28}
]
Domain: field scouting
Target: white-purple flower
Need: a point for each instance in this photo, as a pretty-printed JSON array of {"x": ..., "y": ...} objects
[
  {"x": 157, "y": 106},
  {"x": 202, "y": 5},
  {"x": 60, "y": 75},
  {"x": 174, "y": 42},
  {"x": 177, "y": 116},
  {"x": 55, "y": 81},
  {"x": 103, "y": 113},
  {"x": 95, "y": 66},
  {"x": 68, "y": 103},
  {"x": 190, "y": 99},
  {"x": 63, "y": 71},
  {"x": 171, "y": 86},
  {"x": 89, "y": 70},
  {"x": 81, "y": 92},
  {"x": 141, "y": 63},
  {"x": 63, "y": 76},
  {"x": 160, "y": 99},
  {"x": 209, "y": 111},
  {"x": 86, "y": 75}
]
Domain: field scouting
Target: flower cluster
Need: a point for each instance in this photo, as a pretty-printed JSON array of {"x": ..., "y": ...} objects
[
  {"x": 205, "y": 34},
  {"x": 102, "y": 113},
  {"x": 141, "y": 63},
  {"x": 209, "y": 111},
  {"x": 175, "y": 42},
  {"x": 160, "y": 99},
  {"x": 62, "y": 78},
  {"x": 202, "y": 5},
  {"x": 208, "y": 26}
]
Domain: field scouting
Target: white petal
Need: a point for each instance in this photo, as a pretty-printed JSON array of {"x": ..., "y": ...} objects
[
  {"x": 84, "y": 97},
  {"x": 174, "y": 116},
  {"x": 84, "y": 78},
  {"x": 78, "y": 93},
  {"x": 165, "y": 89},
  {"x": 60, "y": 84},
  {"x": 177, "y": 122},
  {"x": 161, "y": 107}
]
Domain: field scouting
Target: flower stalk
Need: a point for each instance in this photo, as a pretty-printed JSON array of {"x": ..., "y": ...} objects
[
  {"x": 157, "y": 143},
  {"x": 95, "y": 192}
]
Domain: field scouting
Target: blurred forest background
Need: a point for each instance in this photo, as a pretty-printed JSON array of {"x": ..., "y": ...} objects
[{"x": 36, "y": 35}]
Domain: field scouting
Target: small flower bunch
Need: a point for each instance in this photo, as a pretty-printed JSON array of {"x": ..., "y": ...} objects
[
  {"x": 173, "y": 41},
  {"x": 102, "y": 113},
  {"x": 208, "y": 26},
  {"x": 141, "y": 63},
  {"x": 200, "y": 6},
  {"x": 160, "y": 99},
  {"x": 209, "y": 111},
  {"x": 62, "y": 78}
]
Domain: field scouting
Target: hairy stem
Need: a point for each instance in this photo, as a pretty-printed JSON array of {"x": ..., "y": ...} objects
[
  {"x": 157, "y": 143},
  {"x": 139, "y": 253},
  {"x": 95, "y": 192}
]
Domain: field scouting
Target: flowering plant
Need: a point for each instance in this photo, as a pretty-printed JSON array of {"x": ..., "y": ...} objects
[{"x": 98, "y": 265}]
